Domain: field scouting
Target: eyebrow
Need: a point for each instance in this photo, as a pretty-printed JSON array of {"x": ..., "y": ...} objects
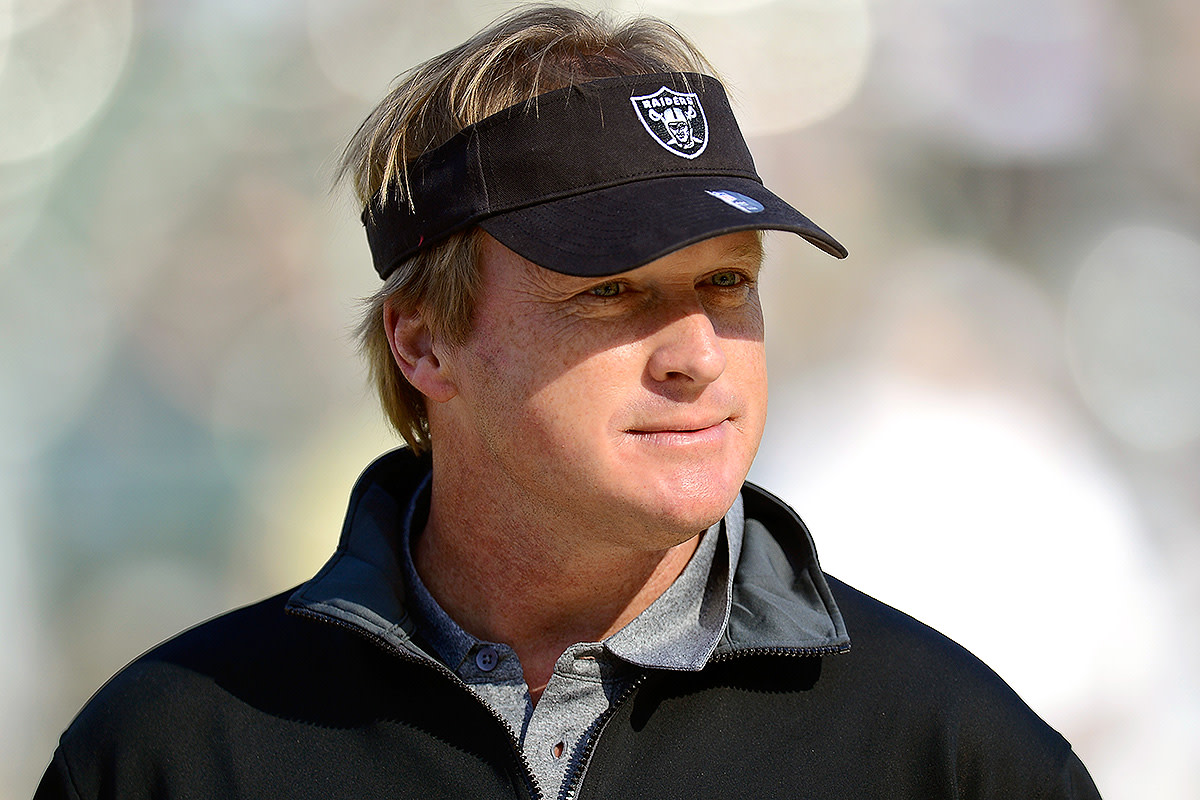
[{"x": 747, "y": 251}]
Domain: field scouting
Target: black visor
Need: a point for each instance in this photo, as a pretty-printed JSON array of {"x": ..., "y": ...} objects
[{"x": 590, "y": 180}]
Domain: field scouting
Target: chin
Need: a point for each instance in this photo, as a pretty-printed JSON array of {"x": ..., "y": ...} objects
[{"x": 690, "y": 503}]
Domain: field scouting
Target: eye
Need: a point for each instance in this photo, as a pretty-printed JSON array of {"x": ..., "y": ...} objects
[
  {"x": 609, "y": 289},
  {"x": 726, "y": 279}
]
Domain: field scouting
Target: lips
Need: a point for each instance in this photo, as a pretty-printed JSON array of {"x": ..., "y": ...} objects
[
  {"x": 678, "y": 427},
  {"x": 681, "y": 434}
]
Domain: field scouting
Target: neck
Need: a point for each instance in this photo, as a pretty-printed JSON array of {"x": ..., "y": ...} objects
[{"x": 536, "y": 584}]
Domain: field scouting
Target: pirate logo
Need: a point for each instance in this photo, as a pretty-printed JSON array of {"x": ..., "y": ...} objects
[{"x": 675, "y": 120}]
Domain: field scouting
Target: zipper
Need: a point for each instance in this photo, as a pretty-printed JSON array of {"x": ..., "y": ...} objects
[
  {"x": 518, "y": 755},
  {"x": 579, "y": 771},
  {"x": 575, "y": 777},
  {"x": 799, "y": 652}
]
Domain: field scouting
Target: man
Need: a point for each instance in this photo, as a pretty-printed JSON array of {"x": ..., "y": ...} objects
[{"x": 563, "y": 587}]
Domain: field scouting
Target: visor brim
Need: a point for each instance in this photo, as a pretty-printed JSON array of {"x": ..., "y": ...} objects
[{"x": 612, "y": 230}]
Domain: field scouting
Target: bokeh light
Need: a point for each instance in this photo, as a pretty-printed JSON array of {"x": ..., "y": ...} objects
[
  {"x": 362, "y": 45},
  {"x": 60, "y": 64},
  {"x": 1001, "y": 81}
]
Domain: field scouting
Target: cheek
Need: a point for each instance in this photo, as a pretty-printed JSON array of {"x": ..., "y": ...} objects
[
  {"x": 581, "y": 399},
  {"x": 748, "y": 354},
  {"x": 502, "y": 358},
  {"x": 531, "y": 395},
  {"x": 747, "y": 372},
  {"x": 494, "y": 385},
  {"x": 746, "y": 361}
]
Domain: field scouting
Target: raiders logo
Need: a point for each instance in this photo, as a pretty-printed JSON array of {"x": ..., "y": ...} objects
[{"x": 675, "y": 120}]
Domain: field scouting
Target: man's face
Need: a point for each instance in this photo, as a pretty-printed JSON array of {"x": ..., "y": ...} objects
[
  {"x": 681, "y": 130},
  {"x": 637, "y": 400},
  {"x": 678, "y": 126}
]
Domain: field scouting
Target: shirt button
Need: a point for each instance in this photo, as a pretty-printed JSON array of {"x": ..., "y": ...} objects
[{"x": 486, "y": 658}]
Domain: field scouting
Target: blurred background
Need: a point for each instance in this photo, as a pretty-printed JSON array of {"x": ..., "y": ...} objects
[{"x": 989, "y": 414}]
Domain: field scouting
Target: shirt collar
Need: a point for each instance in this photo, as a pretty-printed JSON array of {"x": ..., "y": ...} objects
[{"x": 683, "y": 626}]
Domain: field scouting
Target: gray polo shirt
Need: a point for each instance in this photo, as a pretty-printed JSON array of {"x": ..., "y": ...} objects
[{"x": 679, "y": 631}]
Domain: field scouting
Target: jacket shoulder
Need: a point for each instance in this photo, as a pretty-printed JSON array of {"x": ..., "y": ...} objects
[
  {"x": 215, "y": 653},
  {"x": 169, "y": 706},
  {"x": 946, "y": 693},
  {"x": 911, "y": 648}
]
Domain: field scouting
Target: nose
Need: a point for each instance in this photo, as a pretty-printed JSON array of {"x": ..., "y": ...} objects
[{"x": 688, "y": 351}]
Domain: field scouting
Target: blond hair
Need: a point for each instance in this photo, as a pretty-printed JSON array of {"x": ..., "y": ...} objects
[{"x": 533, "y": 50}]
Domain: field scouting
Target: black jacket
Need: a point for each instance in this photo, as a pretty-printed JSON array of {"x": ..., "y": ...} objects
[{"x": 325, "y": 694}]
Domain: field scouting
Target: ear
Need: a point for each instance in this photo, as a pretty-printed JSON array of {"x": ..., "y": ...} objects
[{"x": 412, "y": 347}]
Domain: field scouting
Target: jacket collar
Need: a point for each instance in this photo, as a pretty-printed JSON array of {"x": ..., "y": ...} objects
[{"x": 781, "y": 600}]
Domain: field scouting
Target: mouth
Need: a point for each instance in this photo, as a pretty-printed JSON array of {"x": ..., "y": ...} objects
[{"x": 681, "y": 434}]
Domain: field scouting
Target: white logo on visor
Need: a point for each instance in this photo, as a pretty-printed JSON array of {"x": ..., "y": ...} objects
[
  {"x": 737, "y": 200},
  {"x": 675, "y": 119}
]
